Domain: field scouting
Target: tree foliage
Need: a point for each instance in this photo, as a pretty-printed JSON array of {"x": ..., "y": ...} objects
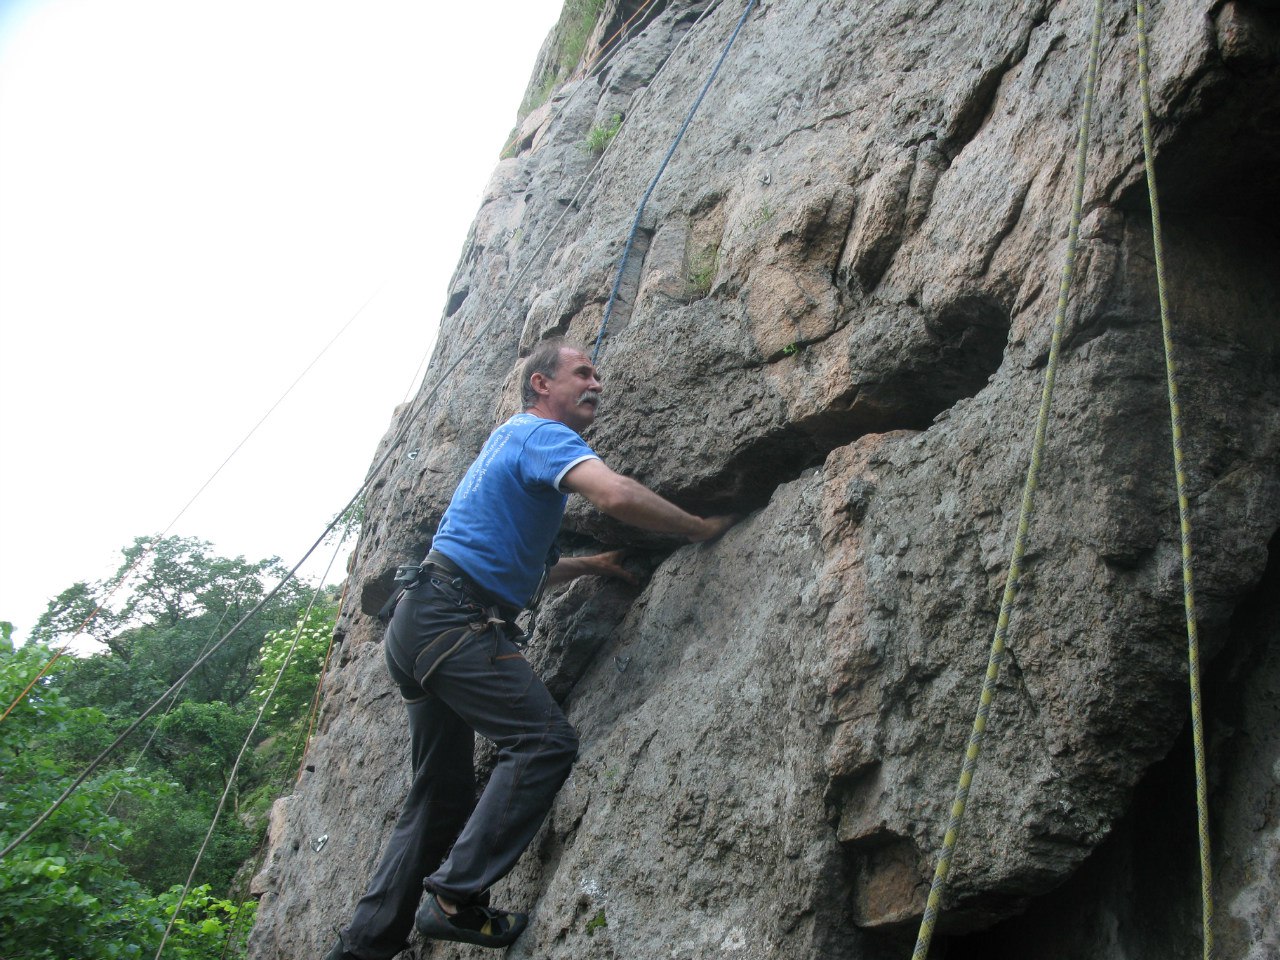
[
  {"x": 169, "y": 602},
  {"x": 304, "y": 646},
  {"x": 66, "y": 893},
  {"x": 101, "y": 877}
]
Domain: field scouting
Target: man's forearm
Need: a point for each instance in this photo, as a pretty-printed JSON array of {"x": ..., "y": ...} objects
[
  {"x": 596, "y": 565},
  {"x": 570, "y": 568},
  {"x": 635, "y": 504}
]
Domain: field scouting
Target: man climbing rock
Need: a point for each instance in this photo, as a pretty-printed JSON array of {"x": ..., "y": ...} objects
[{"x": 449, "y": 649}]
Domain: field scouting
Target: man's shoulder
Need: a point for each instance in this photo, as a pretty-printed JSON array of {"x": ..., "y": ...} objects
[
  {"x": 518, "y": 427},
  {"x": 526, "y": 422}
]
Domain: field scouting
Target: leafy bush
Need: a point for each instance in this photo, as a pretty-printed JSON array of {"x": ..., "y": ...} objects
[
  {"x": 294, "y": 693},
  {"x": 101, "y": 878}
]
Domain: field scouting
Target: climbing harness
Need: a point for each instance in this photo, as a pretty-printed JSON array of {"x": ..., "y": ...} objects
[
  {"x": 494, "y": 616},
  {"x": 407, "y": 578},
  {"x": 1011, "y": 582},
  {"x": 410, "y": 577}
]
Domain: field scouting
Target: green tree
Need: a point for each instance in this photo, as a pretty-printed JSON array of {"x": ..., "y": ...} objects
[
  {"x": 64, "y": 893},
  {"x": 296, "y": 687},
  {"x": 170, "y": 600},
  {"x": 113, "y": 859}
]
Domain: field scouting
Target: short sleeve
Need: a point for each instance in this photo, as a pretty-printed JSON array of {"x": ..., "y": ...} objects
[{"x": 551, "y": 451}]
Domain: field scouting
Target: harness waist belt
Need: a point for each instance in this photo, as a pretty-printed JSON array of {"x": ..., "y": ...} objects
[{"x": 449, "y": 568}]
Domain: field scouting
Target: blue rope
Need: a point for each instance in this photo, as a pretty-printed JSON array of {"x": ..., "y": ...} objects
[{"x": 635, "y": 226}]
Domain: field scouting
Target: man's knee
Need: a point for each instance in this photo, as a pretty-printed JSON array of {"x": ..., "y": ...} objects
[{"x": 562, "y": 741}]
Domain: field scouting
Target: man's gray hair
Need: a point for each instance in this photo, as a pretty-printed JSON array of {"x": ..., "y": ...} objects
[{"x": 545, "y": 359}]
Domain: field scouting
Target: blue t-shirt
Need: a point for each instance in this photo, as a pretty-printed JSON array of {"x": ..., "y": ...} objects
[{"x": 505, "y": 514}]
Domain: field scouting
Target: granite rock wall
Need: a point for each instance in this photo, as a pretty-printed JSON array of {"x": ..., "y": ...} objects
[{"x": 836, "y": 322}]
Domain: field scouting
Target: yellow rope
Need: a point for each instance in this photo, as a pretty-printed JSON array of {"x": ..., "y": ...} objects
[
  {"x": 1024, "y": 518},
  {"x": 1175, "y": 417}
]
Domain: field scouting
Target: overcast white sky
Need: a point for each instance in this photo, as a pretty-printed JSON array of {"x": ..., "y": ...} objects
[{"x": 195, "y": 197}]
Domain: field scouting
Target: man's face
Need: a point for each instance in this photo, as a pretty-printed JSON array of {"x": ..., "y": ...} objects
[{"x": 574, "y": 392}]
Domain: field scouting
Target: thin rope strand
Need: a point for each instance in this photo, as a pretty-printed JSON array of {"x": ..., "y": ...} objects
[
  {"x": 996, "y": 658},
  {"x": 1184, "y": 509}
]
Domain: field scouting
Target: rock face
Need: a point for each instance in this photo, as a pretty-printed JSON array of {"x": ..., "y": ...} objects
[{"x": 835, "y": 320}]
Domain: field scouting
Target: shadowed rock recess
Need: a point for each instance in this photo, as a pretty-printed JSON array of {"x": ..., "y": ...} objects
[{"x": 837, "y": 322}]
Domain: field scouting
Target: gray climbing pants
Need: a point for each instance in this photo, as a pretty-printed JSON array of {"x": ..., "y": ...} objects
[{"x": 459, "y": 675}]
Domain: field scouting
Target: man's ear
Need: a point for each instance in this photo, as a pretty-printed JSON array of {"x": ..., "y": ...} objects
[{"x": 539, "y": 382}]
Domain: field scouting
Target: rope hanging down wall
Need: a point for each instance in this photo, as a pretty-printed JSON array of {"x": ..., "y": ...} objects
[
  {"x": 996, "y": 658},
  {"x": 1184, "y": 515},
  {"x": 635, "y": 224}
]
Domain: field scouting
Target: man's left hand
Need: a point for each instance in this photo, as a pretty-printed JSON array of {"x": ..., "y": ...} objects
[{"x": 609, "y": 564}]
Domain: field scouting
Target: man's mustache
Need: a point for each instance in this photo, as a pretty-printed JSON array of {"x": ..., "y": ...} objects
[{"x": 590, "y": 396}]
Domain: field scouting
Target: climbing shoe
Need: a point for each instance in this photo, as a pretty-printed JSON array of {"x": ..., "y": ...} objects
[{"x": 483, "y": 926}]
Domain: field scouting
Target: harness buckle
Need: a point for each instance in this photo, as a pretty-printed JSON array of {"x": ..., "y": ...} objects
[{"x": 408, "y": 575}]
